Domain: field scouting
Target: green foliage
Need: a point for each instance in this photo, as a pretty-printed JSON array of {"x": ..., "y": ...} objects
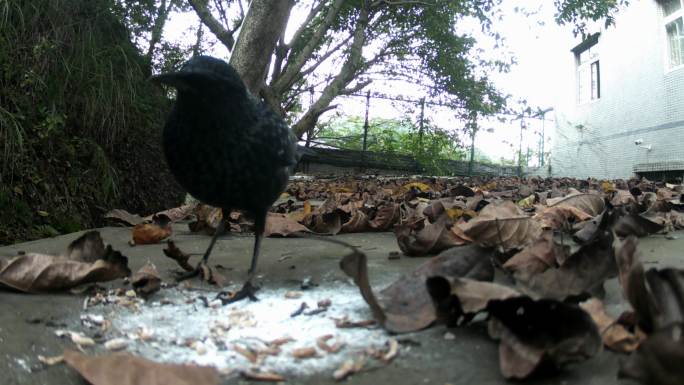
[
  {"x": 141, "y": 17},
  {"x": 51, "y": 84},
  {"x": 393, "y": 136},
  {"x": 577, "y": 12},
  {"x": 73, "y": 93},
  {"x": 417, "y": 42}
]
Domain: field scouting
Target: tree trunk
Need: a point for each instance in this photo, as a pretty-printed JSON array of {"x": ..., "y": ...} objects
[
  {"x": 337, "y": 85},
  {"x": 156, "y": 34},
  {"x": 263, "y": 25}
]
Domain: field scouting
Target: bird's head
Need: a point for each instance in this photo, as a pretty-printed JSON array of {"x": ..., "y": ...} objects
[{"x": 204, "y": 75}]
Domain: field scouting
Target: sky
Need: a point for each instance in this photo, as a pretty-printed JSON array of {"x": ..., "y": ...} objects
[{"x": 542, "y": 76}]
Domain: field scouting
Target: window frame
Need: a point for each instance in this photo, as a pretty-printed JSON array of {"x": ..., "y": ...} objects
[
  {"x": 584, "y": 71},
  {"x": 671, "y": 18}
]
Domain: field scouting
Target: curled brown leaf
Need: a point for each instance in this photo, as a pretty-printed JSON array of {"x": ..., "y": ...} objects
[{"x": 125, "y": 369}]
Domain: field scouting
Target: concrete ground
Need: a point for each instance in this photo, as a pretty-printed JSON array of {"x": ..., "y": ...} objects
[{"x": 27, "y": 322}]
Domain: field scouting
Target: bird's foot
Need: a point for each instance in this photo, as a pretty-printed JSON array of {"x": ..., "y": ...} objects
[
  {"x": 247, "y": 291},
  {"x": 205, "y": 272},
  {"x": 189, "y": 274}
]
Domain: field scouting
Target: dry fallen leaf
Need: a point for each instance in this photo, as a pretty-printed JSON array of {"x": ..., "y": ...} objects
[
  {"x": 151, "y": 233},
  {"x": 422, "y": 187},
  {"x": 592, "y": 204},
  {"x": 146, "y": 281},
  {"x": 124, "y": 216},
  {"x": 544, "y": 332},
  {"x": 324, "y": 223},
  {"x": 637, "y": 224},
  {"x": 615, "y": 336},
  {"x": 536, "y": 258},
  {"x": 282, "y": 225},
  {"x": 582, "y": 273},
  {"x": 472, "y": 296},
  {"x": 39, "y": 273},
  {"x": 357, "y": 222},
  {"x": 622, "y": 197},
  {"x": 125, "y": 369},
  {"x": 557, "y": 217},
  {"x": 386, "y": 217},
  {"x": 89, "y": 247},
  {"x": 406, "y": 305},
  {"x": 627, "y": 259},
  {"x": 174, "y": 214},
  {"x": 355, "y": 266},
  {"x": 177, "y": 213},
  {"x": 430, "y": 238},
  {"x": 656, "y": 295},
  {"x": 207, "y": 220},
  {"x": 407, "y": 302},
  {"x": 503, "y": 226},
  {"x": 659, "y": 358}
]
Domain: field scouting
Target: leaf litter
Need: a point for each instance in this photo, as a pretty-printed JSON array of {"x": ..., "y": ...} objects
[
  {"x": 86, "y": 260},
  {"x": 564, "y": 239}
]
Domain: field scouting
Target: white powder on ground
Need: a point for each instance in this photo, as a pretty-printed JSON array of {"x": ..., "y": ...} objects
[{"x": 187, "y": 331}]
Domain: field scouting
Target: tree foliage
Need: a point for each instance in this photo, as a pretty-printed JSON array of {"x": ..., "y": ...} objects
[
  {"x": 578, "y": 12},
  {"x": 145, "y": 21},
  {"x": 392, "y": 136},
  {"x": 74, "y": 98},
  {"x": 343, "y": 46}
]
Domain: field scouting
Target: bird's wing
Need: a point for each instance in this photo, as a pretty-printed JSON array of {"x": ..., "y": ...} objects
[{"x": 279, "y": 135}]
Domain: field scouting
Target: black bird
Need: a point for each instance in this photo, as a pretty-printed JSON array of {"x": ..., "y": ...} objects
[{"x": 225, "y": 147}]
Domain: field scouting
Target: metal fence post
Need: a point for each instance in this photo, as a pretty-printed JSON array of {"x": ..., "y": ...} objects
[
  {"x": 365, "y": 123},
  {"x": 473, "y": 132},
  {"x": 421, "y": 123}
]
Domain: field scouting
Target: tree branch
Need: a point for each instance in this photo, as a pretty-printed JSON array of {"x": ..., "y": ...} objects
[
  {"x": 156, "y": 35},
  {"x": 295, "y": 64},
  {"x": 283, "y": 48},
  {"x": 323, "y": 58},
  {"x": 222, "y": 34},
  {"x": 356, "y": 88},
  {"x": 312, "y": 13},
  {"x": 346, "y": 75}
]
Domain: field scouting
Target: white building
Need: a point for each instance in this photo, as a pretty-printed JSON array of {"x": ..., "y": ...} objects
[{"x": 625, "y": 115}]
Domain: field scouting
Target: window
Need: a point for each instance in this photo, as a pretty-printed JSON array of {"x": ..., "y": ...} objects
[
  {"x": 588, "y": 70},
  {"x": 674, "y": 27},
  {"x": 595, "y": 81}
]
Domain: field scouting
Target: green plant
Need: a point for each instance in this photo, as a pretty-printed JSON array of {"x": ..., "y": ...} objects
[{"x": 398, "y": 136}]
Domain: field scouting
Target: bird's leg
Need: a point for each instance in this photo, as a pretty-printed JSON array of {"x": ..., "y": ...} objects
[
  {"x": 259, "y": 233},
  {"x": 219, "y": 231},
  {"x": 205, "y": 257},
  {"x": 249, "y": 290},
  {"x": 259, "y": 227}
]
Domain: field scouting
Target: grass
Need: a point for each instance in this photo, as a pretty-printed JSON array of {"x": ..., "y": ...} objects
[{"x": 74, "y": 94}]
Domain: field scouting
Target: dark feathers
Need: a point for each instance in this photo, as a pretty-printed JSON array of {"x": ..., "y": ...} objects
[{"x": 222, "y": 145}]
